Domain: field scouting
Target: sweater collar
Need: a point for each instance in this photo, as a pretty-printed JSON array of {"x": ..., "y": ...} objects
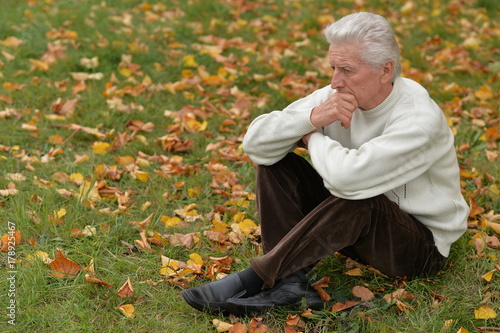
[{"x": 388, "y": 103}]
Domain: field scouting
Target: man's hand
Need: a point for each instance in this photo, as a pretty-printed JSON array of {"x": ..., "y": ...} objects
[
  {"x": 339, "y": 107},
  {"x": 305, "y": 139}
]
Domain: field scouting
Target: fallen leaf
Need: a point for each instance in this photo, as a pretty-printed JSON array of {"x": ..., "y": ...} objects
[
  {"x": 101, "y": 148},
  {"x": 488, "y": 276},
  {"x": 485, "y": 312},
  {"x": 342, "y": 306},
  {"x": 64, "y": 267},
  {"x": 257, "y": 326},
  {"x": 362, "y": 292},
  {"x": 238, "y": 328},
  {"x": 39, "y": 256},
  {"x": 221, "y": 326},
  {"x": 127, "y": 309},
  {"x": 126, "y": 290},
  {"x": 319, "y": 285}
]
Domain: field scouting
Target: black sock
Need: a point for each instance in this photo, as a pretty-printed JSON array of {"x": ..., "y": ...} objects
[{"x": 252, "y": 282}]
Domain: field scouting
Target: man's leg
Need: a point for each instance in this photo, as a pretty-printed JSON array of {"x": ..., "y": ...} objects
[
  {"x": 375, "y": 229},
  {"x": 286, "y": 192}
]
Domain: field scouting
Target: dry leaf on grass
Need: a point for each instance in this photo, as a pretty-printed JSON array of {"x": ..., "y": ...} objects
[
  {"x": 64, "y": 267},
  {"x": 319, "y": 285},
  {"x": 126, "y": 290}
]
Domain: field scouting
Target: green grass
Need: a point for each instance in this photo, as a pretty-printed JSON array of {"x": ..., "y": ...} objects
[{"x": 276, "y": 39}]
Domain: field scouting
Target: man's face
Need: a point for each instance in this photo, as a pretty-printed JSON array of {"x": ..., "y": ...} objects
[{"x": 351, "y": 75}]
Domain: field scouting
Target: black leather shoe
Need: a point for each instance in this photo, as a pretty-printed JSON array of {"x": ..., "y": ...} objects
[
  {"x": 288, "y": 294},
  {"x": 211, "y": 297}
]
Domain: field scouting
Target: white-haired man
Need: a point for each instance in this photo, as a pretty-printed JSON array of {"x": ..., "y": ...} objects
[{"x": 383, "y": 187}]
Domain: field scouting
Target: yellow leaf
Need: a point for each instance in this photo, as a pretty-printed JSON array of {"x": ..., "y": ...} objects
[
  {"x": 101, "y": 148},
  {"x": 170, "y": 221},
  {"x": 247, "y": 226},
  {"x": 189, "y": 61},
  {"x": 484, "y": 93},
  {"x": 408, "y": 8},
  {"x": 125, "y": 71},
  {"x": 39, "y": 65},
  {"x": 77, "y": 178},
  {"x": 89, "y": 191},
  {"x": 193, "y": 193},
  {"x": 60, "y": 213},
  {"x": 495, "y": 227},
  {"x": 355, "y": 272},
  {"x": 142, "y": 176},
  {"x": 221, "y": 326},
  {"x": 39, "y": 255},
  {"x": 11, "y": 42},
  {"x": 488, "y": 276},
  {"x": 472, "y": 43},
  {"x": 485, "y": 312},
  {"x": 127, "y": 309},
  {"x": 195, "y": 258}
]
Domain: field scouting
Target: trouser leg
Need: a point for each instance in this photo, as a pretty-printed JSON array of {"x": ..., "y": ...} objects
[{"x": 302, "y": 224}]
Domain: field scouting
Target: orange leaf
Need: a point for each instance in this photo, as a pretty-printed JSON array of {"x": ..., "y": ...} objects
[
  {"x": 64, "y": 267},
  {"x": 342, "y": 306},
  {"x": 238, "y": 328},
  {"x": 319, "y": 285},
  {"x": 256, "y": 326},
  {"x": 95, "y": 280},
  {"x": 12, "y": 238},
  {"x": 126, "y": 290}
]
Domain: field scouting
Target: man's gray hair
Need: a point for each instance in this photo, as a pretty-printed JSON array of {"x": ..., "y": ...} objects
[{"x": 375, "y": 37}]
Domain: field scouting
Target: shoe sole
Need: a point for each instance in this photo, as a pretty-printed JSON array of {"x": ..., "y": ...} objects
[{"x": 313, "y": 303}]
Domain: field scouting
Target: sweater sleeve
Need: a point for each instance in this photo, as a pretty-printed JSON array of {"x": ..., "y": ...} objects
[
  {"x": 406, "y": 149},
  {"x": 271, "y": 136}
]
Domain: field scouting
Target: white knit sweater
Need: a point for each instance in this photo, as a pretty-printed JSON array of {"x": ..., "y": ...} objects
[{"x": 402, "y": 148}]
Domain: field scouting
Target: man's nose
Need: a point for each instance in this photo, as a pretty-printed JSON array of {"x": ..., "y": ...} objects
[{"x": 337, "y": 80}]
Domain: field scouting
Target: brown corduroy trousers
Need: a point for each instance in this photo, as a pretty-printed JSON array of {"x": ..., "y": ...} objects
[{"x": 302, "y": 222}]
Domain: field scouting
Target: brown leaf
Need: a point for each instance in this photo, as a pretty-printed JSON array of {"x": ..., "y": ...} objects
[
  {"x": 257, "y": 326},
  {"x": 64, "y": 267},
  {"x": 319, "y": 285},
  {"x": 399, "y": 294},
  {"x": 479, "y": 245},
  {"x": 342, "y": 306},
  {"x": 238, "y": 328},
  {"x": 126, "y": 290},
  {"x": 493, "y": 242},
  {"x": 362, "y": 292}
]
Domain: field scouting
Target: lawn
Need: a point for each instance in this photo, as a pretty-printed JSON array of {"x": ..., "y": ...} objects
[{"x": 123, "y": 179}]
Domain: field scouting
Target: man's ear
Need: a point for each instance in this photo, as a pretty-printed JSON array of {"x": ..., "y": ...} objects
[{"x": 388, "y": 69}]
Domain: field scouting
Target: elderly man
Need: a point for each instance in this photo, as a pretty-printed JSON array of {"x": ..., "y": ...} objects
[{"x": 383, "y": 187}]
